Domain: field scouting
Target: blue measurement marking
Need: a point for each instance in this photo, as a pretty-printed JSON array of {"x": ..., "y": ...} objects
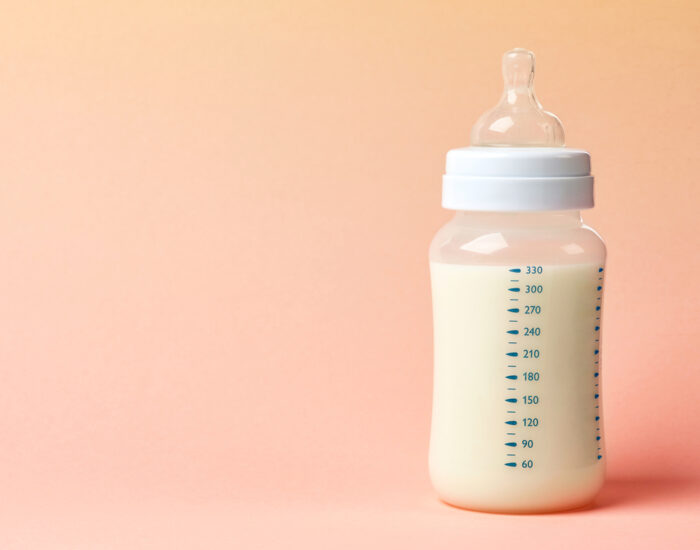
[
  {"x": 510, "y": 433},
  {"x": 515, "y": 270},
  {"x": 512, "y": 389},
  {"x": 597, "y": 308},
  {"x": 599, "y": 457},
  {"x": 512, "y": 331},
  {"x": 512, "y": 354},
  {"x": 599, "y": 288},
  {"x": 510, "y": 412},
  {"x": 512, "y": 377},
  {"x": 597, "y": 438},
  {"x": 511, "y": 400},
  {"x": 596, "y": 352},
  {"x": 597, "y": 396},
  {"x": 514, "y": 280},
  {"x": 511, "y": 444},
  {"x": 514, "y": 289},
  {"x": 597, "y": 328},
  {"x": 514, "y": 300},
  {"x": 511, "y": 422},
  {"x": 597, "y": 418},
  {"x": 514, "y": 310},
  {"x": 600, "y": 269},
  {"x": 596, "y": 375},
  {"x": 511, "y": 464},
  {"x": 510, "y": 454},
  {"x": 512, "y": 342}
]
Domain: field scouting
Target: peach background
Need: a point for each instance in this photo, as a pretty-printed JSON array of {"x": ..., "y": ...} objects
[{"x": 214, "y": 220}]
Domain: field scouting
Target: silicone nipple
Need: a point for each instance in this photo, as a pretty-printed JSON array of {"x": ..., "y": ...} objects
[{"x": 518, "y": 120}]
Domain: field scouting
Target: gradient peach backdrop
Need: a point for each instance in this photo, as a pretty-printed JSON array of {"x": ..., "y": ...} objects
[{"x": 215, "y": 312}]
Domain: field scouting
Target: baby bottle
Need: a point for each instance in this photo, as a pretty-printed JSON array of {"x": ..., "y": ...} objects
[{"x": 517, "y": 286}]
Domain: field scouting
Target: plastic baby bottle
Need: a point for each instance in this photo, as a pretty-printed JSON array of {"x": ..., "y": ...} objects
[{"x": 517, "y": 285}]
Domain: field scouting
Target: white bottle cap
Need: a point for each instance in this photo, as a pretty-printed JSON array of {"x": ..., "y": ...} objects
[
  {"x": 509, "y": 179},
  {"x": 518, "y": 161}
]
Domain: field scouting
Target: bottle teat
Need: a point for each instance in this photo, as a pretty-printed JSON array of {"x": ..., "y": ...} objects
[{"x": 518, "y": 120}]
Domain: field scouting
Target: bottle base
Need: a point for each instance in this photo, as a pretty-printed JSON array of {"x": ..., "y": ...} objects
[{"x": 519, "y": 511}]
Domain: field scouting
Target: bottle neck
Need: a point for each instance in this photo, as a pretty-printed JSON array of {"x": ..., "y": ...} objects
[{"x": 561, "y": 219}]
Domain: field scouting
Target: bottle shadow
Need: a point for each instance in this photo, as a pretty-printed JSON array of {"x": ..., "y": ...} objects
[{"x": 641, "y": 491}]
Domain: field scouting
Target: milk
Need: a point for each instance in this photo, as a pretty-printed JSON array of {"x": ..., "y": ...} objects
[{"x": 517, "y": 423}]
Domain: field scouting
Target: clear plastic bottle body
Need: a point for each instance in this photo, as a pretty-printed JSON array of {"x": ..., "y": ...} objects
[{"x": 517, "y": 415}]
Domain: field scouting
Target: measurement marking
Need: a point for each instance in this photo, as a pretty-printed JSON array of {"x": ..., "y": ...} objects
[
  {"x": 512, "y": 389},
  {"x": 510, "y": 433},
  {"x": 596, "y": 352},
  {"x": 597, "y": 308},
  {"x": 600, "y": 288},
  {"x": 514, "y": 310},
  {"x": 510, "y": 412},
  {"x": 597, "y": 418},
  {"x": 515, "y": 270},
  {"x": 596, "y": 340},
  {"x": 597, "y": 429},
  {"x": 513, "y": 400},
  {"x": 599, "y": 457},
  {"x": 514, "y": 300},
  {"x": 514, "y": 280},
  {"x": 512, "y": 321},
  {"x": 596, "y": 385},
  {"x": 600, "y": 269},
  {"x": 597, "y": 438},
  {"x": 600, "y": 278},
  {"x": 512, "y": 377},
  {"x": 511, "y": 464},
  {"x": 597, "y": 396},
  {"x": 597, "y": 407},
  {"x": 596, "y": 362},
  {"x": 596, "y": 374},
  {"x": 512, "y": 354},
  {"x": 511, "y": 444},
  {"x": 597, "y": 328},
  {"x": 515, "y": 289},
  {"x": 512, "y": 331},
  {"x": 597, "y": 298},
  {"x": 510, "y": 454},
  {"x": 512, "y": 366},
  {"x": 511, "y": 422},
  {"x": 512, "y": 342}
]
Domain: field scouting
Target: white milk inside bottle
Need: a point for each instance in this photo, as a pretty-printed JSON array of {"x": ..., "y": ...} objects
[{"x": 517, "y": 285}]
